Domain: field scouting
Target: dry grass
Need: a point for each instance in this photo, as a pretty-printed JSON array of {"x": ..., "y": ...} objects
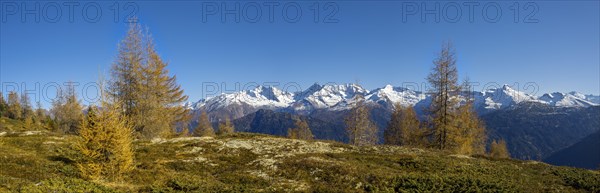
[{"x": 36, "y": 162}]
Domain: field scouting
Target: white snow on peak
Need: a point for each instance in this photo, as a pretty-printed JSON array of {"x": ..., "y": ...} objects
[
  {"x": 505, "y": 96},
  {"x": 593, "y": 98},
  {"x": 571, "y": 99},
  {"x": 258, "y": 97},
  {"x": 577, "y": 94},
  {"x": 271, "y": 95},
  {"x": 340, "y": 97},
  {"x": 393, "y": 95},
  {"x": 328, "y": 96}
]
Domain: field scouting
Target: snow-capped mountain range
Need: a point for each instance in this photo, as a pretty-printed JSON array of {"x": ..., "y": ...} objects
[{"x": 342, "y": 97}]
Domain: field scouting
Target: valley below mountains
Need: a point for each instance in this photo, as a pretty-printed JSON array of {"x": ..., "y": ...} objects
[{"x": 535, "y": 127}]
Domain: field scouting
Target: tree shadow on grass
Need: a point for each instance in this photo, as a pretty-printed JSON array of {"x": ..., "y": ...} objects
[{"x": 63, "y": 159}]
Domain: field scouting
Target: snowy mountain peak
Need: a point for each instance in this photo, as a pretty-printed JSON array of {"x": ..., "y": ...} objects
[
  {"x": 328, "y": 96},
  {"x": 270, "y": 93},
  {"x": 345, "y": 88},
  {"x": 315, "y": 86},
  {"x": 389, "y": 95},
  {"x": 341, "y": 97},
  {"x": 593, "y": 98},
  {"x": 505, "y": 96},
  {"x": 312, "y": 89},
  {"x": 388, "y": 88},
  {"x": 261, "y": 96},
  {"x": 571, "y": 99},
  {"x": 577, "y": 94}
]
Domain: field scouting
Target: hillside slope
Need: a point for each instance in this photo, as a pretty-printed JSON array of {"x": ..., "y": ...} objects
[
  {"x": 584, "y": 154},
  {"x": 532, "y": 130},
  {"x": 277, "y": 123},
  {"x": 535, "y": 131},
  {"x": 35, "y": 162}
]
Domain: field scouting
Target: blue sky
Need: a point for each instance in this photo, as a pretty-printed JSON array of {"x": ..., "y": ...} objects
[{"x": 370, "y": 43}]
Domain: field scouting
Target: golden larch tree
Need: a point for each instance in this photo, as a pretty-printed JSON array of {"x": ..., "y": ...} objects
[
  {"x": 404, "y": 127},
  {"x": 14, "y": 106},
  {"x": 470, "y": 135},
  {"x": 359, "y": 127},
  {"x": 126, "y": 72},
  {"x": 204, "y": 127},
  {"x": 225, "y": 127},
  {"x": 27, "y": 110},
  {"x": 300, "y": 130},
  {"x": 444, "y": 89},
  {"x": 499, "y": 150},
  {"x": 104, "y": 146},
  {"x": 3, "y": 106},
  {"x": 150, "y": 96},
  {"x": 67, "y": 110}
]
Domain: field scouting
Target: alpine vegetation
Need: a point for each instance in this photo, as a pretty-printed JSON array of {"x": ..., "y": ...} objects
[{"x": 144, "y": 136}]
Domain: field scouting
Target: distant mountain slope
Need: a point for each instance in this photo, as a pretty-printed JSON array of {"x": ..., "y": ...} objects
[
  {"x": 535, "y": 131},
  {"x": 277, "y": 123},
  {"x": 328, "y": 125},
  {"x": 584, "y": 154}
]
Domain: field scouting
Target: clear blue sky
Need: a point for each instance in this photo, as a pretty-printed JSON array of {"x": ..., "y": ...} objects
[{"x": 370, "y": 43}]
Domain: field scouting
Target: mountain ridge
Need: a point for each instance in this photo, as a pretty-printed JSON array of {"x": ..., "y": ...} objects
[{"x": 337, "y": 97}]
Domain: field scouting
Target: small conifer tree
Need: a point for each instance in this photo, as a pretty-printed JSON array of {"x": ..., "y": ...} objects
[
  {"x": 499, "y": 150},
  {"x": 104, "y": 147},
  {"x": 226, "y": 127},
  {"x": 359, "y": 128},
  {"x": 67, "y": 110},
  {"x": 3, "y": 106},
  {"x": 469, "y": 137},
  {"x": 204, "y": 127},
  {"x": 403, "y": 128},
  {"x": 15, "y": 111},
  {"x": 300, "y": 131}
]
